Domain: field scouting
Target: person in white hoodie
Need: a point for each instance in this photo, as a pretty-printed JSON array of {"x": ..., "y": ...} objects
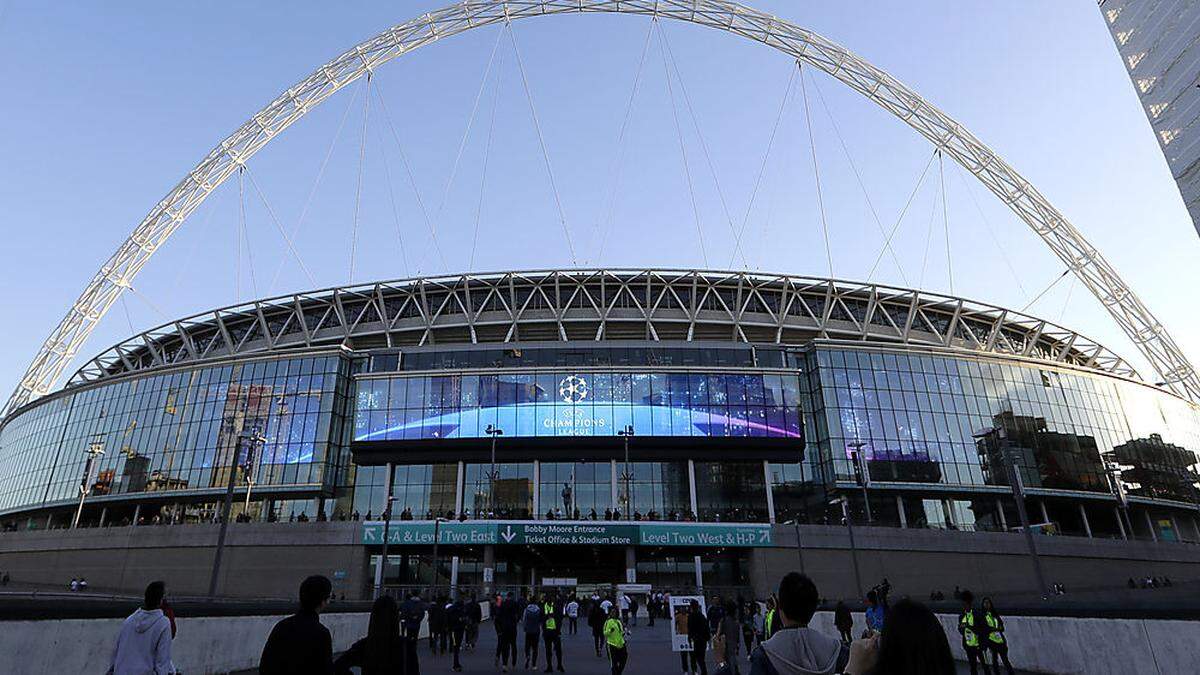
[{"x": 144, "y": 643}]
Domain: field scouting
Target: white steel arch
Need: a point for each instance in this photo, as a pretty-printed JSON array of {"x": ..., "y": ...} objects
[{"x": 805, "y": 46}]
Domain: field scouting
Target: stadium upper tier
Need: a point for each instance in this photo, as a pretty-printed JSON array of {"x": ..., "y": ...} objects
[{"x": 600, "y": 305}]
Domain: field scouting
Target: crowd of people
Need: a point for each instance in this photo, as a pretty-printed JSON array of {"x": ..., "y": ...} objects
[{"x": 774, "y": 637}]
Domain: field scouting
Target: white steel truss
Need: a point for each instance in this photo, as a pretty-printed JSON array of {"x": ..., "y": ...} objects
[
  {"x": 808, "y": 48},
  {"x": 600, "y": 305}
]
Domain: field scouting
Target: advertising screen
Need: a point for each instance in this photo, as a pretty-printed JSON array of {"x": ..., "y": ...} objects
[{"x": 548, "y": 404}]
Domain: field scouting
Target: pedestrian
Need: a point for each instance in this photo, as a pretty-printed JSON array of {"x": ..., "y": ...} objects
[
  {"x": 971, "y": 625},
  {"x": 74, "y": 583},
  {"x": 456, "y": 628},
  {"x": 731, "y": 631},
  {"x": 384, "y": 650},
  {"x": 412, "y": 612},
  {"x": 83, "y": 584},
  {"x": 698, "y": 633},
  {"x": 996, "y": 642},
  {"x": 299, "y": 644},
  {"x": 794, "y": 649},
  {"x": 844, "y": 622},
  {"x": 531, "y": 623},
  {"x": 760, "y": 626},
  {"x": 144, "y": 643},
  {"x": 552, "y": 618},
  {"x": 875, "y": 614},
  {"x": 913, "y": 644},
  {"x": 474, "y": 618},
  {"x": 506, "y": 633},
  {"x": 623, "y": 603},
  {"x": 572, "y": 611},
  {"x": 614, "y": 638},
  {"x": 437, "y": 626},
  {"x": 596, "y": 619},
  {"x": 633, "y": 609},
  {"x": 747, "y": 621}
]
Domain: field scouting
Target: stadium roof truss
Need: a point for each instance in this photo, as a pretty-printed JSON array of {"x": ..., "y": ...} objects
[
  {"x": 808, "y": 48},
  {"x": 614, "y": 305}
]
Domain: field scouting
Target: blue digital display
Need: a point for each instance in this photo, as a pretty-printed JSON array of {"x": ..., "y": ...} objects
[{"x": 683, "y": 404}]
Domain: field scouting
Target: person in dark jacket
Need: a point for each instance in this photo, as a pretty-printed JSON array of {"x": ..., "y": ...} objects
[
  {"x": 437, "y": 625},
  {"x": 506, "y": 632},
  {"x": 795, "y": 649},
  {"x": 974, "y": 632},
  {"x": 474, "y": 618},
  {"x": 456, "y": 627},
  {"x": 596, "y": 619},
  {"x": 412, "y": 612},
  {"x": 531, "y": 626},
  {"x": 730, "y": 630},
  {"x": 299, "y": 644},
  {"x": 383, "y": 651},
  {"x": 844, "y": 622},
  {"x": 698, "y": 636}
]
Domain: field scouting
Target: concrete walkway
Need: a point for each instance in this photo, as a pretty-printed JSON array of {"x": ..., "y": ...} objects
[{"x": 649, "y": 652}]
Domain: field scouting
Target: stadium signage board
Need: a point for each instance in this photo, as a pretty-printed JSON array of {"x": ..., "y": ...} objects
[{"x": 571, "y": 533}]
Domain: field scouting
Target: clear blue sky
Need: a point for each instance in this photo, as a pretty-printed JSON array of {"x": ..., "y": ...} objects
[{"x": 107, "y": 105}]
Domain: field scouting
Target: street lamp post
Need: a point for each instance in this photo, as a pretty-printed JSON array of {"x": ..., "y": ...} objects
[
  {"x": 255, "y": 437},
  {"x": 627, "y": 477},
  {"x": 492, "y": 431},
  {"x": 1018, "y": 490},
  {"x": 862, "y": 474},
  {"x": 95, "y": 449},
  {"x": 845, "y": 502},
  {"x": 437, "y": 522},
  {"x": 1113, "y": 471}
]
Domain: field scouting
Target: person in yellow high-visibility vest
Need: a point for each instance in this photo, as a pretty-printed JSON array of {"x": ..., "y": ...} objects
[
  {"x": 614, "y": 637},
  {"x": 971, "y": 626},
  {"x": 552, "y": 615},
  {"x": 996, "y": 643}
]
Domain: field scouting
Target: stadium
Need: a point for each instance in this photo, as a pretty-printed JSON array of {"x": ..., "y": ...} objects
[
  {"x": 701, "y": 409},
  {"x": 677, "y": 428}
]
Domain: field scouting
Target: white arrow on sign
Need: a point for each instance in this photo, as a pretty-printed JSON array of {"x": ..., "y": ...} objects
[{"x": 508, "y": 534}]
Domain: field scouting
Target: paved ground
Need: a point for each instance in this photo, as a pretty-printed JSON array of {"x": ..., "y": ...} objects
[{"x": 649, "y": 652}]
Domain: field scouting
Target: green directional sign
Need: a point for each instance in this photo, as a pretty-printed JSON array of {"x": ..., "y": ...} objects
[
  {"x": 401, "y": 533},
  {"x": 565, "y": 533},
  {"x": 704, "y": 534}
]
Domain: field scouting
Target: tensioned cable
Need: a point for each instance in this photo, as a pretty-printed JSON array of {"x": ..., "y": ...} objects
[
  {"x": 991, "y": 233},
  {"x": 278, "y": 225},
  {"x": 812, "y": 146},
  {"x": 1045, "y": 290},
  {"x": 316, "y": 183},
  {"x": 237, "y": 240},
  {"x": 928, "y": 238},
  {"x": 861, "y": 184},
  {"x": 191, "y": 253},
  {"x": 687, "y": 172},
  {"x": 605, "y": 224},
  {"x": 387, "y": 176},
  {"x": 712, "y": 169},
  {"x": 412, "y": 181},
  {"x": 537, "y": 125},
  {"x": 487, "y": 153},
  {"x": 946, "y": 220},
  {"x": 362, "y": 155},
  {"x": 891, "y": 234},
  {"x": 462, "y": 144},
  {"x": 243, "y": 234},
  {"x": 762, "y": 167},
  {"x": 1070, "y": 288}
]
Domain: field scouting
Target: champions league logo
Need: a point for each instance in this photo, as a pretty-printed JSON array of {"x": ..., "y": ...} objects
[{"x": 573, "y": 389}]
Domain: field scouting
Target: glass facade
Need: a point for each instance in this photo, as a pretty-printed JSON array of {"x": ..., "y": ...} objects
[
  {"x": 181, "y": 432},
  {"x": 578, "y": 403},
  {"x": 914, "y": 418},
  {"x": 921, "y": 418}
]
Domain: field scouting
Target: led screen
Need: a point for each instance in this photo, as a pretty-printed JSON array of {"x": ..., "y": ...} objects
[{"x": 578, "y": 404}]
